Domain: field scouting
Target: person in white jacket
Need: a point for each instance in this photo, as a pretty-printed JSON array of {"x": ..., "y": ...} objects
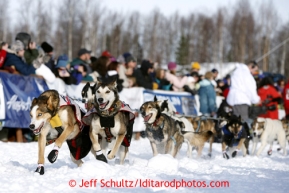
[{"x": 243, "y": 90}]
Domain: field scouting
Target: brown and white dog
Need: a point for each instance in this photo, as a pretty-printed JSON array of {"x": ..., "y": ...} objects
[
  {"x": 42, "y": 110},
  {"x": 268, "y": 130},
  {"x": 111, "y": 120},
  {"x": 203, "y": 124}
]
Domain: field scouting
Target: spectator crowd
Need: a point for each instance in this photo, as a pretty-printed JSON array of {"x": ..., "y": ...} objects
[{"x": 241, "y": 89}]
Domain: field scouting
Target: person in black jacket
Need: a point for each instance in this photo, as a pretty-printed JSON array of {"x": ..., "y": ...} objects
[{"x": 142, "y": 75}]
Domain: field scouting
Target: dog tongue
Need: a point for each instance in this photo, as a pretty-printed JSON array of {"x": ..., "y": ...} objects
[
  {"x": 146, "y": 118},
  {"x": 102, "y": 105}
]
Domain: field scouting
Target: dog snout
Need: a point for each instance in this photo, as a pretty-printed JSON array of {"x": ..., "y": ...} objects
[
  {"x": 255, "y": 134},
  {"x": 100, "y": 100},
  {"x": 83, "y": 101},
  {"x": 32, "y": 126}
]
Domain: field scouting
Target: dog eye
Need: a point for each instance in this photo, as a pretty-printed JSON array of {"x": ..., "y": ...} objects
[
  {"x": 98, "y": 91},
  {"x": 40, "y": 114},
  {"x": 107, "y": 92}
]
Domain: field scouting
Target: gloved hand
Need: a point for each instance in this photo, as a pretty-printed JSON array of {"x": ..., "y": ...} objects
[{"x": 37, "y": 62}]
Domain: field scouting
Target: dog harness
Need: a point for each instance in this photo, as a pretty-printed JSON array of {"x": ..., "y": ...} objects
[
  {"x": 80, "y": 145},
  {"x": 107, "y": 120},
  {"x": 229, "y": 137},
  {"x": 158, "y": 133}
]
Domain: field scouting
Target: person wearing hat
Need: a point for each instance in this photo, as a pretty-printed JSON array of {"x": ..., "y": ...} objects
[
  {"x": 126, "y": 69},
  {"x": 48, "y": 55},
  {"x": 31, "y": 53},
  {"x": 83, "y": 59},
  {"x": 195, "y": 67},
  {"x": 178, "y": 84},
  {"x": 62, "y": 70},
  {"x": 15, "y": 61}
]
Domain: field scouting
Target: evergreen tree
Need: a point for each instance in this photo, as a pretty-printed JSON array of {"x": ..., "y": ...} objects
[{"x": 182, "y": 51}]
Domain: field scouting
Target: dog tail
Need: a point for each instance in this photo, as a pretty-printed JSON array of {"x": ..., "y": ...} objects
[{"x": 205, "y": 135}]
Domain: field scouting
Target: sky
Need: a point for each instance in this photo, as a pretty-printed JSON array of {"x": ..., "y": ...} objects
[{"x": 187, "y": 6}]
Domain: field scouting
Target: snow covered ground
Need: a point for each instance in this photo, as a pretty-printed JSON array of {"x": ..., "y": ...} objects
[{"x": 250, "y": 174}]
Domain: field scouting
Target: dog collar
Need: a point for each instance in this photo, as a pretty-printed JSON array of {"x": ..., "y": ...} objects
[{"x": 112, "y": 111}]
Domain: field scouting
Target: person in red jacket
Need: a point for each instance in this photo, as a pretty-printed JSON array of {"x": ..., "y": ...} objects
[
  {"x": 286, "y": 99},
  {"x": 270, "y": 97}
]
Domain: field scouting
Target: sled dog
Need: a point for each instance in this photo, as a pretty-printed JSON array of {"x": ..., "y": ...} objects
[
  {"x": 234, "y": 135},
  {"x": 111, "y": 121},
  {"x": 161, "y": 129},
  {"x": 43, "y": 109},
  {"x": 268, "y": 130}
]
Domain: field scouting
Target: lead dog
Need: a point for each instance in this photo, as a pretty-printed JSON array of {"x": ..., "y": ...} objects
[
  {"x": 269, "y": 130},
  {"x": 111, "y": 121},
  {"x": 43, "y": 108}
]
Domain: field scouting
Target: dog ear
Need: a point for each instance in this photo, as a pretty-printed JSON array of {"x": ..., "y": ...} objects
[
  {"x": 240, "y": 118},
  {"x": 52, "y": 102},
  {"x": 155, "y": 98},
  {"x": 34, "y": 102},
  {"x": 115, "y": 84},
  {"x": 93, "y": 88}
]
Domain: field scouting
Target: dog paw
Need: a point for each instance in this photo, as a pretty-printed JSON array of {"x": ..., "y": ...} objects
[
  {"x": 109, "y": 156},
  {"x": 101, "y": 157},
  {"x": 40, "y": 170},
  {"x": 234, "y": 154},
  {"x": 225, "y": 155},
  {"x": 52, "y": 156},
  {"x": 270, "y": 152}
]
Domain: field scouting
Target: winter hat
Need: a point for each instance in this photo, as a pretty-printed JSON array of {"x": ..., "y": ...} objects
[
  {"x": 127, "y": 54},
  {"x": 214, "y": 70},
  {"x": 145, "y": 65},
  {"x": 24, "y": 37},
  {"x": 83, "y": 51},
  {"x": 47, "y": 48},
  {"x": 106, "y": 53},
  {"x": 17, "y": 46},
  {"x": 172, "y": 66},
  {"x": 196, "y": 65},
  {"x": 130, "y": 59},
  {"x": 62, "y": 61}
]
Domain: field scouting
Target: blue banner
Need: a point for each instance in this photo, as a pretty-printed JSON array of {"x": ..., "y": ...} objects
[
  {"x": 184, "y": 103},
  {"x": 19, "y": 92}
]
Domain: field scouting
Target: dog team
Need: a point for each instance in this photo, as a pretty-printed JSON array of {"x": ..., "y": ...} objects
[{"x": 106, "y": 128}]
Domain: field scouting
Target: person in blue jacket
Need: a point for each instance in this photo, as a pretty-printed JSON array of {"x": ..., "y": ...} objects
[
  {"x": 14, "y": 62},
  {"x": 207, "y": 96},
  {"x": 15, "y": 59}
]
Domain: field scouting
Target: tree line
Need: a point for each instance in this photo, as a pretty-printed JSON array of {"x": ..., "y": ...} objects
[{"x": 238, "y": 33}]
